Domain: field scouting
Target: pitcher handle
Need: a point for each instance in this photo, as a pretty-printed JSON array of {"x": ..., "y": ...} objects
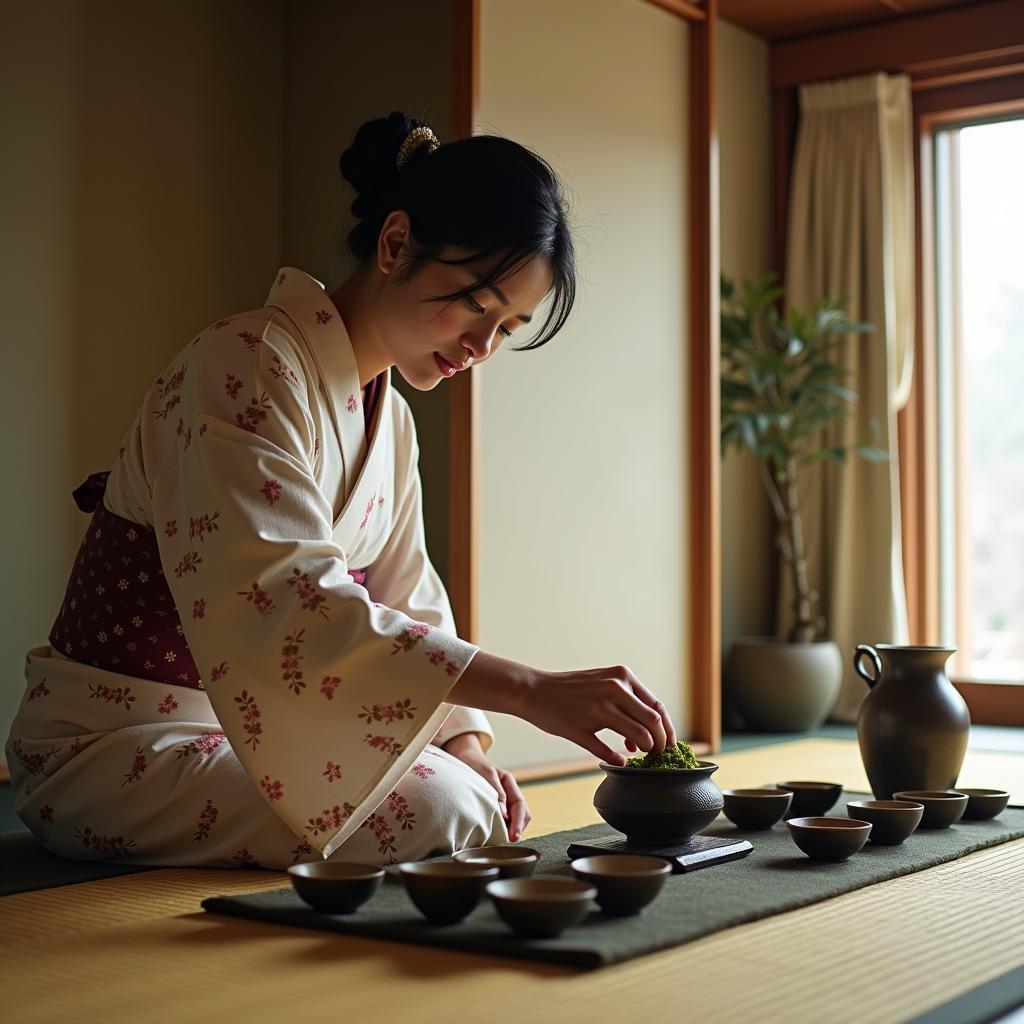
[{"x": 862, "y": 650}]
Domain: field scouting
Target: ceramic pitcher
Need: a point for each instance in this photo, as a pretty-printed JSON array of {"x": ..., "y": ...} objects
[{"x": 913, "y": 725}]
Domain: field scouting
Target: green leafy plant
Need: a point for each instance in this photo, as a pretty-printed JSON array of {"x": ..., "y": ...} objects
[{"x": 781, "y": 389}]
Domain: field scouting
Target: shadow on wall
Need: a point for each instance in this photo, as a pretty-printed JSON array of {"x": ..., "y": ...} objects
[
  {"x": 146, "y": 158},
  {"x": 177, "y": 195}
]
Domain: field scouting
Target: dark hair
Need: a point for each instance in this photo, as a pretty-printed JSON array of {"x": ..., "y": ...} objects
[{"x": 484, "y": 193}]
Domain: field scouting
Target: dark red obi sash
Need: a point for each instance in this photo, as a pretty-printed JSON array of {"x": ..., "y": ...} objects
[{"x": 118, "y": 612}]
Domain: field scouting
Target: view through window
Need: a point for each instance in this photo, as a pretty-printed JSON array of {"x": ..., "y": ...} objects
[{"x": 980, "y": 319}]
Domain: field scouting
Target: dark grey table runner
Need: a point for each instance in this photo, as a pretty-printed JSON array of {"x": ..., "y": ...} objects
[
  {"x": 773, "y": 878},
  {"x": 26, "y": 865}
]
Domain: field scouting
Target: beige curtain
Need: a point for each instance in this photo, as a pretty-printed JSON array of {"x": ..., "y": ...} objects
[{"x": 851, "y": 235}]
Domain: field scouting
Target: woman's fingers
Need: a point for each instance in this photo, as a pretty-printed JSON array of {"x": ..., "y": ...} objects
[
  {"x": 648, "y": 720},
  {"x": 509, "y": 785},
  {"x": 652, "y": 701},
  {"x": 493, "y": 776},
  {"x": 670, "y": 729},
  {"x": 518, "y": 817},
  {"x": 638, "y": 702},
  {"x": 630, "y": 728},
  {"x": 518, "y": 812},
  {"x": 591, "y": 743}
]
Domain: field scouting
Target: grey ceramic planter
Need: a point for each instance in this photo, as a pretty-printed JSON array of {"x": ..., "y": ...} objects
[{"x": 783, "y": 687}]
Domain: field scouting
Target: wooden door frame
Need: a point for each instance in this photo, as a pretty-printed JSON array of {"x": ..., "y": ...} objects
[
  {"x": 464, "y": 388},
  {"x": 702, "y": 698}
]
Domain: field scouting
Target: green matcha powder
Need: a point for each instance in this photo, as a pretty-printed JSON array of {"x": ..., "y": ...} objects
[{"x": 679, "y": 756}]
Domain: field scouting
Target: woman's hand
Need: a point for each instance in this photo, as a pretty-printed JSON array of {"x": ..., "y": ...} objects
[
  {"x": 466, "y": 747},
  {"x": 578, "y": 704},
  {"x": 574, "y": 705}
]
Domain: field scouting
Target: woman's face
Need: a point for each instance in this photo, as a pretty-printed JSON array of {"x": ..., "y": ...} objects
[{"x": 462, "y": 331}]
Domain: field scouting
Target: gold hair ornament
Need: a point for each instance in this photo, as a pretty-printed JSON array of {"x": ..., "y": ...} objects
[{"x": 416, "y": 138}]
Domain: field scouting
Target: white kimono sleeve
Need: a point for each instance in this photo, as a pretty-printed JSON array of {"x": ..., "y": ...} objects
[
  {"x": 403, "y": 577},
  {"x": 326, "y": 697}
]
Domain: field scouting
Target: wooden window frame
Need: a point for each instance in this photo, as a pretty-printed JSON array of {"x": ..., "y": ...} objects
[
  {"x": 965, "y": 63},
  {"x": 703, "y": 696},
  {"x": 954, "y": 103}
]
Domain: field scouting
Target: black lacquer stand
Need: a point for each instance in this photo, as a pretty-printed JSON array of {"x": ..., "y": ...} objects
[{"x": 697, "y": 852}]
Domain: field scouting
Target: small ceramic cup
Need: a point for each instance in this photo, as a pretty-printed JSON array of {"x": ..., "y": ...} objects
[
  {"x": 810, "y": 798},
  {"x": 985, "y": 803},
  {"x": 511, "y": 861},
  {"x": 829, "y": 839},
  {"x": 891, "y": 820},
  {"x": 335, "y": 887},
  {"x": 444, "y": 892},
  {"x": 542, "y": 906},
  {"x": 625, "y": 883},
  {"x": 942, "y": 807},
  {"x": 756, "y": 809}
]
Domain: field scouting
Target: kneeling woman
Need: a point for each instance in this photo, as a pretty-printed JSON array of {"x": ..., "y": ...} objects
[{"x": 255, "y": 661}]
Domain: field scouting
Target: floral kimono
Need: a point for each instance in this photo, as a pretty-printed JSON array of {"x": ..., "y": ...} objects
[{"x": 223, "y": 685}]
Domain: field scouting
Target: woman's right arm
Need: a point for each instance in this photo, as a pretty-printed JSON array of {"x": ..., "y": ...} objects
[{"x": 574, "y": 705}]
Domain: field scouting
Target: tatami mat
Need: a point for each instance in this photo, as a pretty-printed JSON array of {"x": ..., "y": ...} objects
[{"x": 138, "y": 946}]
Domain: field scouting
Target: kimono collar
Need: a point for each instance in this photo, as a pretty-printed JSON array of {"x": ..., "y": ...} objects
[{"x": 303, "y": 299}]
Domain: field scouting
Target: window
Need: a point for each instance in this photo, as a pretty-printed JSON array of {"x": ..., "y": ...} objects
[{"x": 979, "y": 326}]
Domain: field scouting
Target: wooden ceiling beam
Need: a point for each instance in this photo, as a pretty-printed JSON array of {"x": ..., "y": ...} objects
[
  {"x": 954, "y": 35},
  {"x": 684, "y": 8}
]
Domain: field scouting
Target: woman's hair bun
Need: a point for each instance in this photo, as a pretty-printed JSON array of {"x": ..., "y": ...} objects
[{"x": 369, "y": 163}]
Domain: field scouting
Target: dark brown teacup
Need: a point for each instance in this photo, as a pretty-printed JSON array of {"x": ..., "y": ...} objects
[
  {"x": 942, "y": 807},
  {"x": 335, "y": 887},
  {"x": 829, "y": 839},
  {"x": 542, "y": 906},
  {"x": 810, "y": 798},
  {"x": 511, "y": 861},
  {"x": 756, "y": 809},
  {"x": 985, "y": 803},
  {"x": 891, "y": 820},
  {"x": 625, "y": 883},
  {"x": 444, "y": 892}
]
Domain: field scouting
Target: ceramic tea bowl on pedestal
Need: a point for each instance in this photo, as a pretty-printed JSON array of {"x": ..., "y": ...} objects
[{"x": 658, "y": 806}]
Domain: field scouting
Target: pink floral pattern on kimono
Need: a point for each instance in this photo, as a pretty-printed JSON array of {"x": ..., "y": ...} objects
[{"x": 258, "y": 491}]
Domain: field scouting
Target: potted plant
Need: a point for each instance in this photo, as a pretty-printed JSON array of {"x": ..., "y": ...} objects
[{"x": 781, "y": 389}]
